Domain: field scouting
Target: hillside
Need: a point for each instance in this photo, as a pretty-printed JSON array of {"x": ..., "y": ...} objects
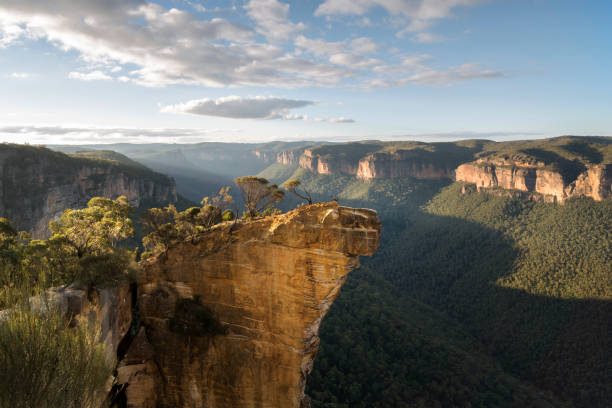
[
  {"x": 529, "y": 283},
  {"x": 38, "y": 184}
]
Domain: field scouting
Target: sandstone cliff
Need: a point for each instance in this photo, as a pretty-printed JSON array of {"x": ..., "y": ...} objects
[
  {"x": 543, "y": 184},
  {"x": 232, "y": 318},
  {"x": 394, "y": 163},
  {"x": 403, "y": 163},
  {"x": 37, "y": 185}
]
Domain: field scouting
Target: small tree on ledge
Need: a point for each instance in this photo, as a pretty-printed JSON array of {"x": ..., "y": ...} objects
[
  {"x": 292, "y": 186},
  {"x": 258, "y": 194}
]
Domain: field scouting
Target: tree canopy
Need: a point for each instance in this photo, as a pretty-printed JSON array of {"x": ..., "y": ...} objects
[{"x": 258, "y": 195}]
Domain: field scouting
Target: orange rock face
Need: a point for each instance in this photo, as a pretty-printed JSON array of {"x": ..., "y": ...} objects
[
  {"x": 261, "y": 290},
  {"x": 401, "y": 163},
  {"x": 595, "y": 182}
]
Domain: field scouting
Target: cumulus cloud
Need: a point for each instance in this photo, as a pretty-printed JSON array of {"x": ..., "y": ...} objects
[
  {"x": 419, "y": 13},
  {"x": 417, "y": 9},
  {"x": 90, "y": 76},
  {"x": 255, "y": 107},
  {"x": 168, "y": 46},
  {"x": 272, "y": 19},
  {"x": 144, "y": 43},
  {"x": 258, "y": 107}
]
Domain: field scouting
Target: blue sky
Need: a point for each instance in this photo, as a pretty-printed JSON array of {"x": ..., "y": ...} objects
[{"x": 83, "y": 71}]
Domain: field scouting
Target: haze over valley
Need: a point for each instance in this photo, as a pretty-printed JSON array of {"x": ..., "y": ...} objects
[{"x": 321, "y": 204}]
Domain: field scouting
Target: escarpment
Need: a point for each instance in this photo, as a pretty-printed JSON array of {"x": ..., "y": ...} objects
[
  {"x": 37, "y": 185},
  {"x": 542, "y": 183},
  {"x": 388, "y": 164},
  {"x": 231, "y": 319},
  {"x": 403, "y": 163}
]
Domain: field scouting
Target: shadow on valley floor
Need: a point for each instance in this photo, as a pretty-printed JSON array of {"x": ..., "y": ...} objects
[{"x": 416, "y": 327}]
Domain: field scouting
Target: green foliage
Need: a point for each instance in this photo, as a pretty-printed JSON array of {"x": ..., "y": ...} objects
[
  {"x": 46, "y": 364},
  {"x": 167, "y": 226},
  {"x": 527, "y": 284},
  {"x": 258, "y": 195},
  {"x": 382, "y": 349},
  {"x": 294, "y": 187},
  {"x": 83, "y": 247}
]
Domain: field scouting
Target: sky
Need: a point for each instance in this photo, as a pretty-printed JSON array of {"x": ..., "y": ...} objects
[{"x": 186, "y": 71}]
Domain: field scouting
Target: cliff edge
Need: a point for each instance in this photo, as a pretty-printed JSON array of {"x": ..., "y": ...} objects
[{"x": 231, "y": 318}]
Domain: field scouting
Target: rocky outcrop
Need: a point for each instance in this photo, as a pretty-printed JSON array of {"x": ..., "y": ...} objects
[
  {"x": 396, "y": 163},
  {"x": 327, "y": 165},
  {"x": 289, "y": 157},
  {"x": 232, "y": 318},
  {"x": 549, "y": 185},
  {"x": 37, "y": 185},
  {"x": 402, "y": 163}
]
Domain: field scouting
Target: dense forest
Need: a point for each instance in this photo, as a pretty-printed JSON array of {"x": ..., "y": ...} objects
[{"x": 470, "y": 297}]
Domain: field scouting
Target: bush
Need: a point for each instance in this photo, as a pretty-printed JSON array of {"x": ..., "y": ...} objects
[{"x": 47, "y": 364}]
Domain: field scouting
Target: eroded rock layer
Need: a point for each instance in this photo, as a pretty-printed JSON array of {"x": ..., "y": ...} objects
[
  {"x": 37, "y": 185},
  {"x": 232, "y": 320},
  {"x": 544, "y": 184}
]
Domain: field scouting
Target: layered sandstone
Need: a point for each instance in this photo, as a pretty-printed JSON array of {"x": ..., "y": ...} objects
[
  {"x": 594, "y": 182},
  {"x": 402, "y": 163},
  {"x": 37, "y": 185},
  {"x": 327, "y": 165},
  {"x": 260, "y": 290}
]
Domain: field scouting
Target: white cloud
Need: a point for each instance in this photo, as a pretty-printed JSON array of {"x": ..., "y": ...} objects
[
  {"x": 167, "y": 46},
  {"x": 319, "y": 47},
  {"x": 352, "y": 60},
  {"x": 147, "y": 44},
  {"x": 427, "y": 38},
  {"x": 89, "y": 76},
  {"x": 419, "y": 13},
  {"x": 363, "y": 45},
  {"x": 20, "y": 75},
  {"x": 417, "y": 9},
  {"x": 257, "y": 107},
  {"x": 98, "y": 135},
  {"x": 272, "y": 19}
]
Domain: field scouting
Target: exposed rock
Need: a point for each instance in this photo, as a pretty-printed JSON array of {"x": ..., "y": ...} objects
[
  {"x": 37, "y": 185},
  {"x": 595, "y": 182},
  {"x": 258, "y": 292},
  {"x": 402, "y": 163}
]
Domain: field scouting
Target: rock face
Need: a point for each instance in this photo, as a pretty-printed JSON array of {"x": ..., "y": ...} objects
[
  {"x": 232, "y": 319},
  {"x": 37, "y": 185},
  {"x": 323, "y": 165},
  {"x": 545, "y": 185},
  {"x": 380, "y": 165},
  {"x": 402, "y": 163}
]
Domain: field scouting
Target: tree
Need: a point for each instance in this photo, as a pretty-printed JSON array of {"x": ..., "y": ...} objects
[
  {"x": 292, "y": 186},
  {"x": 83, "y": 245},
  {"x": 258, "y": 194},
  {"x": 97, "y": 228},
  {"x": 167, "y": 226}
]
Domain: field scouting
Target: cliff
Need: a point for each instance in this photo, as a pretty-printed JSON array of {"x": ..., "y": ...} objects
[
  {"x": 542, "y": 183},
  {"x": 403, "y": 163},
  {"x": 37, "y": 185},
  {"x": 232, "y": 318},
  {"x": 383, "y": 160}
]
